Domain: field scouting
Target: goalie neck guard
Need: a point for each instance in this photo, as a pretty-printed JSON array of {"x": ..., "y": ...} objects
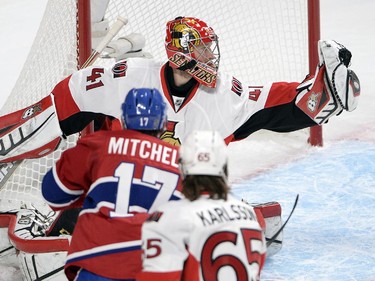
[{"x": 192, "y": 46}]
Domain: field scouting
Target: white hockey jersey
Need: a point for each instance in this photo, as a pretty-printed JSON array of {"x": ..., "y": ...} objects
[{"x": 201, "y": 240}]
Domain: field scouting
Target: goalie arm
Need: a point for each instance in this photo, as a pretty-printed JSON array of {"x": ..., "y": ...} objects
[
  {"x": 292, "y": 106},
  {"x": 277, "y": 113}
]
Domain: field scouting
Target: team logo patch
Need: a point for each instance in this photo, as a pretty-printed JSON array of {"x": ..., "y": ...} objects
[
  {"x": 312, "y": 102},
  {"x": 119, "y": 70},
  {"x": 31, "y": 111},
  {"x": 236, "y": 87},
  {"x": 169, "y": 136}
]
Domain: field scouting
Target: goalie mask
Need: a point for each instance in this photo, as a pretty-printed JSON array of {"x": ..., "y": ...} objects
[
  {"x": 193, "y": 46},
  {"x": 204, "y": 153},
  {"x": 144, "y": 110}
]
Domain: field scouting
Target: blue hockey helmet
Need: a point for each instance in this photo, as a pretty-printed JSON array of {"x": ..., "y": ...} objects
[{"x": 144, "y": 109}]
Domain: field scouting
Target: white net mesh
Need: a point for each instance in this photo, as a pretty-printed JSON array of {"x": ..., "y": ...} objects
[
  {"x": 52, "y": 57},
  {"x": 260, "y": 40}
]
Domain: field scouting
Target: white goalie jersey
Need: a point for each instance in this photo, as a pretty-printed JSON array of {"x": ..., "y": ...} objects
[
  {"x": 100, "y": 90},
  {"x": 203, "y": 240}
]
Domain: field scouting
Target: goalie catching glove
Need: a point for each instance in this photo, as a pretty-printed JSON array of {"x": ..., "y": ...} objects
[{"x": 334, "y": 87}]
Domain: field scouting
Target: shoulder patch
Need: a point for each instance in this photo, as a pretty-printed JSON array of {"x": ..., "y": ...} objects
[
  {"x": 236, "y": 87},
  {"x": 119, "y": 69}
]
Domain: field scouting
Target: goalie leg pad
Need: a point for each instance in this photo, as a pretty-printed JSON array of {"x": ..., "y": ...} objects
[
  {"x": 270, "y": 214},
  {"x": 8, "y": 255},
  {"x": 42, "y": 266},
  {"x": 39, "y": 257}
]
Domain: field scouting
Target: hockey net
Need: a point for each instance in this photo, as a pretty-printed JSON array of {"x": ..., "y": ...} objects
[{"x": 260, "y": 41}]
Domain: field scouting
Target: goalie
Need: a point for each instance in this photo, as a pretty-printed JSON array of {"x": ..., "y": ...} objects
[{"x": 198, "y": 96}]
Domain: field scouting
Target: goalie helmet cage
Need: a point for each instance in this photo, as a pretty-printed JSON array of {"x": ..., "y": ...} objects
[{"x": 260, "y": 41}]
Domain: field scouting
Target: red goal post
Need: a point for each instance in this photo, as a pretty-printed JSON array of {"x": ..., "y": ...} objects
[
  {"x": 260, "y": 41},
  {"x": 316, "y": 132}
]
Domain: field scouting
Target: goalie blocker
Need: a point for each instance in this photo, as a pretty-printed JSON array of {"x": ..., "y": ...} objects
[
  {"x": 31, "y": 132},
  {"x": 334, "y": 87}
]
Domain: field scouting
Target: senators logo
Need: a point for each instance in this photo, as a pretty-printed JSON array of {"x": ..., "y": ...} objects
[{"x": 168, "y": 135}]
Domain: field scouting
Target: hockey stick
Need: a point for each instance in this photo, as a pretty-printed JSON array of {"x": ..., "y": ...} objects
[
  {"x": 273, "y": 238},
  {"x": 7, "y": 169},
  {"x": 108, "y": 38}
]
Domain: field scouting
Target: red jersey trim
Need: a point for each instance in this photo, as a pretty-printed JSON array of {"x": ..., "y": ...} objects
[
  {"x": 64, "y": 102},
  {"x": 281, "y": 93},
  {"x": 229, "y": 138}
]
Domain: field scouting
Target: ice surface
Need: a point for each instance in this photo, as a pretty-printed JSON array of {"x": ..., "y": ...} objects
[{"x": 331, "y": 234}]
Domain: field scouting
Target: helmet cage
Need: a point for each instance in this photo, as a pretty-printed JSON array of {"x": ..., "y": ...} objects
[{"x": 206, "y": 53}]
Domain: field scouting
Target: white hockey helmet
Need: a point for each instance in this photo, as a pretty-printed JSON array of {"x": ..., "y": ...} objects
[{"x": 204, "y": 153}]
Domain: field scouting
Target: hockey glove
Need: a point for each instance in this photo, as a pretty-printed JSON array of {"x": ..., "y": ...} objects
[
  {"x": 343, "y": 81},
  {"x": 334, "y": 87},
  {"x": 126, "y": 47}
]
